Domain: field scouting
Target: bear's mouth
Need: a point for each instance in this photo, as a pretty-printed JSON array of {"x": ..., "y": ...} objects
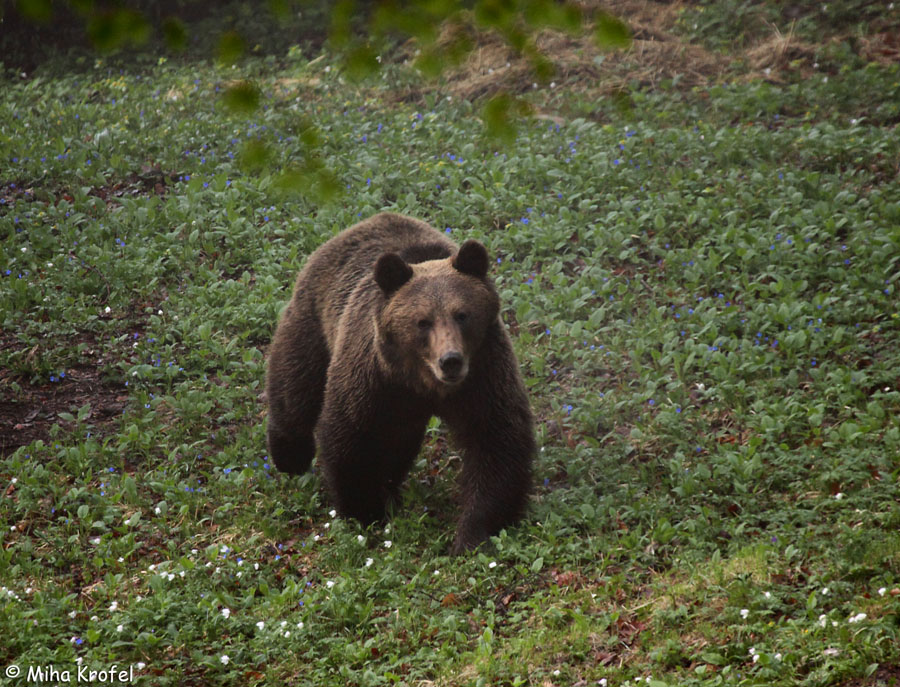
[
  {"x": 449, "y": 378},
  {"x": 452, "y": 380}
]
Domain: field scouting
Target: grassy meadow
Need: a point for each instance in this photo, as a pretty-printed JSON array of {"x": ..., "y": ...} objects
[{"x": 702, "y": 287}]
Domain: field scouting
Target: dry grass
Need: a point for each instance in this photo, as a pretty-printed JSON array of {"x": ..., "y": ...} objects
[
  {"x": 654, "y": 55},
  {"x": 658, "y": 53}
]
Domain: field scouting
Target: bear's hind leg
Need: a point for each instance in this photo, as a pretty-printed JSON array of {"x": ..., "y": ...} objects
[{"x": 295, "y": 386}]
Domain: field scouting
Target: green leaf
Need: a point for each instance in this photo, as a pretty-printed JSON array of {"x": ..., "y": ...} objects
[
  {"x": 311, "y": 180},
  {"x": 129, "y": 486},
  {"x": 360, "y": 62},
  {"x": 280, "y": 9},
  {"x": 611, "y": 33},
  {"x": 231, "y": 47},
  {"x": 117, "y": 28},
  {"x": 254, "y": 156},
  {"x": 537, "y": 565},
  {"x": 499, "y": 115},
  {"x": 175, "y": 34},
  {"x": 429, "y": 62},
  {"x": 40, "y": 11},
  {"x": 341, "y": 17},
  {"x": 242, "y": 98}
]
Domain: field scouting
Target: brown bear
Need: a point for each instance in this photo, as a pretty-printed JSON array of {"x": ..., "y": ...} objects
[{"x": 390, "y": 324}]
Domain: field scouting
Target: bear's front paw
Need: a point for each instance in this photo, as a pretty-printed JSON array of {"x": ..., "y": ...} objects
[
  {"x": 467, "y": 541},
  {"x": 292, "y": 455}
]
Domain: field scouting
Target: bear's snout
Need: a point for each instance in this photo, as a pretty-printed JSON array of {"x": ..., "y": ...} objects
[
  {"x": 451, "y": 365},
  {"x": 447, "y": 357}
]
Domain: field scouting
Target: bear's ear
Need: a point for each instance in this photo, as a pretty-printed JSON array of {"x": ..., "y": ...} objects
[
  {"x": 391, "y": 272},
  {"x": 472, "y": 259}
]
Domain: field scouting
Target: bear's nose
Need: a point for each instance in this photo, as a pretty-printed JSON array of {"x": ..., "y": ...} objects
[{"x": 451, "y": 363}]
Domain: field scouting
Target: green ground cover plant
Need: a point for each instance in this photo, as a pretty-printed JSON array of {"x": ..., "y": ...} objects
[{"x": 702, "y": 290}]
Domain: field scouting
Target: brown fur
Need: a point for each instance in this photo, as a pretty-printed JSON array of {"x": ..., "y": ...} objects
[{"x": 390, "y": 324}]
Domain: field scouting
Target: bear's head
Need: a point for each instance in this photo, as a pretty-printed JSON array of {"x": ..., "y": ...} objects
[{"x": 435, "y": 316}]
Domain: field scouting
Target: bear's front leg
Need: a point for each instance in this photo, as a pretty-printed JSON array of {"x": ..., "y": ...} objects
[
  {"x": 368, "y": 436},
  {"x": 495, "y": 485},
  {"x": 353, "y": 468},
  {"x": 497, "y": 441}
]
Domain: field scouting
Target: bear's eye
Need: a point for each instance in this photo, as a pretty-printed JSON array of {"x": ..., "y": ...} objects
[
  {"x": 424, "y": 324},
  {"x": 460, "y": 317}
]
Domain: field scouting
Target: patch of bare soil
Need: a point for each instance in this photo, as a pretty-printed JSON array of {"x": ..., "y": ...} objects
[
  {"x": 885, "y": 676},
  {"x": 29, "y": 414}
]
